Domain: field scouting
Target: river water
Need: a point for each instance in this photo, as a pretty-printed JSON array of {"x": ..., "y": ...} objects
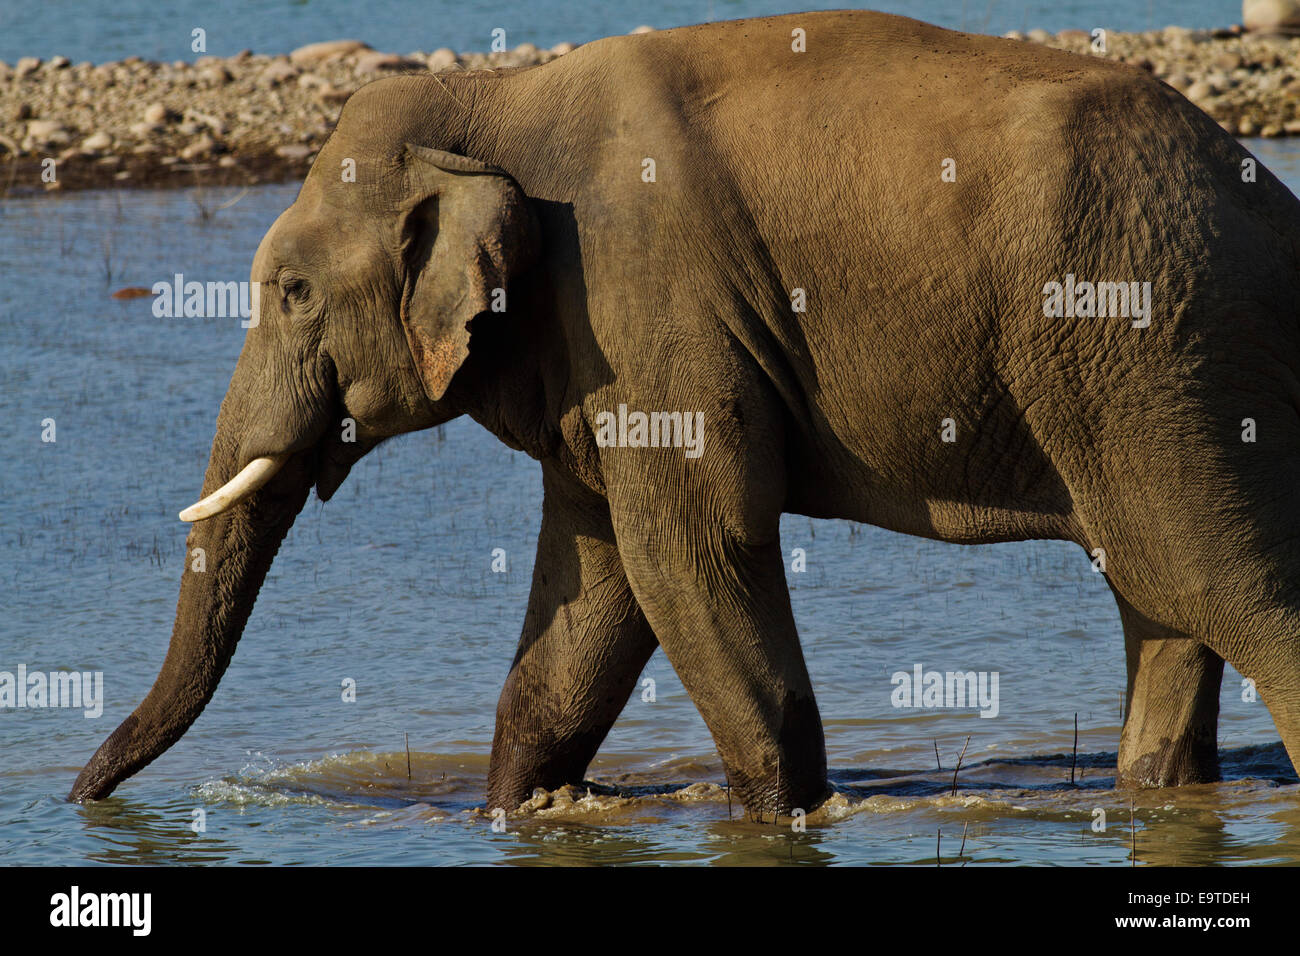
[
  {"x": 391, "y": 586},
  {"x": 111, "y": 31}
]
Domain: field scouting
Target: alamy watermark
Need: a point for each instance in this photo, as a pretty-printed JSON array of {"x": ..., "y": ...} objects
[
  {"x": 38, "y": 689},
  {"x": 179, "y": 299},
  {"x": 133, "y": 911},
  {"x": 922, "y": 688},
  {"x": 1080, "y": 299},
  {"x": 651, "y": 430}
]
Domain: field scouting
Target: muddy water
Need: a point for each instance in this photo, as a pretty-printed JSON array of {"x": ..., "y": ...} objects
[{"x": 391, "y": 586}]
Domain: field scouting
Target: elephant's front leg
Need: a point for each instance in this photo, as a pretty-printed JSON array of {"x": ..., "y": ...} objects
[
  {"x": 1171, "y": 721},
  {"x": 700, "y": 543},
  {"x": 584, "y": 644}
]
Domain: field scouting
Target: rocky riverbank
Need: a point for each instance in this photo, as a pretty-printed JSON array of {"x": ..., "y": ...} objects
[{"x": 253, "y": 118}]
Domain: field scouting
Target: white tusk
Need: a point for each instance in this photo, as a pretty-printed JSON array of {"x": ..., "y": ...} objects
[{"x": 255, "y": 474}]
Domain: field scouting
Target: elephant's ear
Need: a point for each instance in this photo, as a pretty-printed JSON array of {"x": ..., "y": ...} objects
[{"x": 467, "y": 229}]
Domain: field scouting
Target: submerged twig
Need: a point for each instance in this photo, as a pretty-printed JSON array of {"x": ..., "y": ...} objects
[
  {"x": 958, "y": 770},
  {"x": 1074, "y": 755},
  {"x": 1132, "y": 826}
]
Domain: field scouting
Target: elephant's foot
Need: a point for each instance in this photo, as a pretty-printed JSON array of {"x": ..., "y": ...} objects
[
  {"x": 1173, "y": 763},
  {"x": 778, "y": 790},
  {"x": 517, "y": 769},
  {"x": 1171, "y": 723}
]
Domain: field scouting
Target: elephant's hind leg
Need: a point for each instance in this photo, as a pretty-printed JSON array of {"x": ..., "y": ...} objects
[
  {"x": 584, "y": 644},
  {"x": 1172, "y": 716}
]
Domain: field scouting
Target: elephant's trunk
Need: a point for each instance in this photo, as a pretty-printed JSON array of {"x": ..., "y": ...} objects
[{"x": 238, "y": 546}]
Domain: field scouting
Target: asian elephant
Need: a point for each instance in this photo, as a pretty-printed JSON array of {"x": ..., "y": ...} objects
[{"x": 954, "y": 286}]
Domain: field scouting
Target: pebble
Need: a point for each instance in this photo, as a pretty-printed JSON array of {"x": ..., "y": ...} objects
[
  {"x": 1268, "y": 16},
  {"x": 158, "y": 113},
  {"x": 280, "y": 71},
  {"x": 294, "y": 151},
  {"x": 201, "y": 148},
  {"x": 441, "y": 59},
  {"x": 372, "y": 61},
  {"x": 96, "y": 142},
  {"x": 314, "y": 53},
  {"x": 48, "y": 133}
]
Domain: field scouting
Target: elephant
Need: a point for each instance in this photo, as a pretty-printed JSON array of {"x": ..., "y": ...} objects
[{"x": 843, "y": 242}]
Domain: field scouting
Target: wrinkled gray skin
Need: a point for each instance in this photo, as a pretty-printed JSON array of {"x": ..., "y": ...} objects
[{"x": 775, "y": 171}]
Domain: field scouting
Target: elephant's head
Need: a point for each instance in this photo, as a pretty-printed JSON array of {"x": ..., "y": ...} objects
[{"x": 368, "y": 284}]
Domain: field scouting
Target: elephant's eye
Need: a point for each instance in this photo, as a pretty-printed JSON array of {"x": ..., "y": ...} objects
[{"x": 294, "y": 290}]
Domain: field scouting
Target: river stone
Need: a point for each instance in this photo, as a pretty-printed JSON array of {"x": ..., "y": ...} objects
[
  {"x": 201, "y": 148},
  {"x": 1271, "y": 16},
  {"x": 314, "y": 53},
  {"x": 216, "y": 75},
  {"x": 158, "y": 113},
  {"x": 48, "y": 133},
  {"x": 373, "y": 61},
  {"x": 441, "y": 59},
  {"x": 562, "y": 48},
  {"x": 331, "y": 95},
  {"x": 279, "y": 71},
  {"x": 1201, "y": 90},
  {"x": 642, "y": 29},
  {"x": 294, "y": 151},
  {"x": 96, "y": 142},
  {"x": 27, "y": 66}
]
